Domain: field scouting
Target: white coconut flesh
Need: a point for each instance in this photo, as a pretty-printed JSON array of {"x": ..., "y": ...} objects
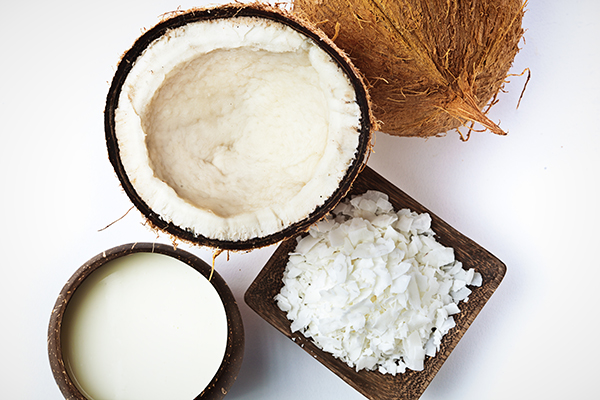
[{"x": 236, "y": 128}]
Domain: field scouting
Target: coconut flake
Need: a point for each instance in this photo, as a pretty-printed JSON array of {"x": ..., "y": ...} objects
[{"x": 373, "y": 287}]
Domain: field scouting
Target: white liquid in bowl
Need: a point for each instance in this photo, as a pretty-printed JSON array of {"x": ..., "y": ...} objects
[{"x": 144, "y": 326}]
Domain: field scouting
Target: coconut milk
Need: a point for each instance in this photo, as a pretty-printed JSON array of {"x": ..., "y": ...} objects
[{"x": 144, "y": 326}]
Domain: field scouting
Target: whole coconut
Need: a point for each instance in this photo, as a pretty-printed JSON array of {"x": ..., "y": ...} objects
[{"x": 432, "y": 65}]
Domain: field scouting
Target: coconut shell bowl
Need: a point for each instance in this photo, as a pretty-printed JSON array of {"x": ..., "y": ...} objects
[{"x": 230, "y": 338}]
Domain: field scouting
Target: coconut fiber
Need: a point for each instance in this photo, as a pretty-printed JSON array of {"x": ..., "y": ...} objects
[{"x": 431, "y": 65}]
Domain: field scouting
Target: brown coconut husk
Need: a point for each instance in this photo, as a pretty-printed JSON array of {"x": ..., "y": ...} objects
[{"x": 432, "y": 65}]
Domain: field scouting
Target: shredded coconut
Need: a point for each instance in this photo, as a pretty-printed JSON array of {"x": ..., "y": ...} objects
[{"x": 373, "y": 287}]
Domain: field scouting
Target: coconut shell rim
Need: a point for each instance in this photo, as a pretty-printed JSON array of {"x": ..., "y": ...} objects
[
  {"x": 367, "y": 121},
  {"x": 232, "y": 360}
]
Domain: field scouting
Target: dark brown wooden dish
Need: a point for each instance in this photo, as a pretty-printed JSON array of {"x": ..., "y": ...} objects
[
  {"x": 374, "y": 385},
  {"x": 232, "y": 361}
]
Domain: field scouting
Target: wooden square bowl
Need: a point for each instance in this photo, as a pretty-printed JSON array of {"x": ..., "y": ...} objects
[{"x": 372, "y": 384}]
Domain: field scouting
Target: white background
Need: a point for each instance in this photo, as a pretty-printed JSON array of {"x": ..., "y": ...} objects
[{"x": 531, "y": 198}]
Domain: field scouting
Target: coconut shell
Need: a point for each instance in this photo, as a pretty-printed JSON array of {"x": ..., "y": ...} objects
[
  {"x": 232, "y": 361},
  {"x": 431, "y": 65},
  {"x": 256, "y": 10}
]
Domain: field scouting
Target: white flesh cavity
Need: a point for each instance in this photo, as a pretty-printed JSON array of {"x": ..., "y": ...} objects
[{"x": 236, "y": 129}]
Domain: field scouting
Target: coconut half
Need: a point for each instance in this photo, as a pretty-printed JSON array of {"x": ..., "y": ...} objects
[{"x": 236, "y": 127}]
